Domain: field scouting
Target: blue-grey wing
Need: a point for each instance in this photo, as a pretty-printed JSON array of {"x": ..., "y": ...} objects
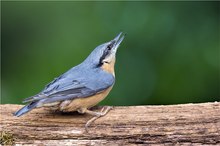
[{"x": 74, "y": 86}]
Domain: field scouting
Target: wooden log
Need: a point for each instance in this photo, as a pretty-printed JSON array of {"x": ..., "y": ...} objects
[{"x": 186, "y": 124}]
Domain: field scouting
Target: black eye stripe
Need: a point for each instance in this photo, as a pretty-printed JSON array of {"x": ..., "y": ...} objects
[
  {"x": 110, "y": 46},
  {"x": 105, "y": 53}
]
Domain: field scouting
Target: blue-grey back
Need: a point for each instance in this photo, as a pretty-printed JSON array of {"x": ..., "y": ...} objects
[{"x": 80, "y": 77}]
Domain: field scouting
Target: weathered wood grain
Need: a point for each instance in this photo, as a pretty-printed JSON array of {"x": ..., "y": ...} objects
[{"x": 186, "y": 124}]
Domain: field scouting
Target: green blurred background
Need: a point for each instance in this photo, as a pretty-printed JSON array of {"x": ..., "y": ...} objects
[{"x": 171, "y": 53}]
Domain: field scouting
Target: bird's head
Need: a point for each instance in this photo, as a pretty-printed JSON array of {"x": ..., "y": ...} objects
[{"x": 104, "y": 54}]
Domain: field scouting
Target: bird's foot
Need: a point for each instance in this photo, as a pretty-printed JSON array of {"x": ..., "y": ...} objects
[{"x": 97, "y": 115}]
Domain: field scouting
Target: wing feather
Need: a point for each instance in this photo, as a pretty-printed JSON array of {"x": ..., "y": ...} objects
[{"x": 75, "y": 86}]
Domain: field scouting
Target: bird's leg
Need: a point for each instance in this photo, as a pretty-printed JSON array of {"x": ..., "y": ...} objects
[{"x": 97, "y": 115}]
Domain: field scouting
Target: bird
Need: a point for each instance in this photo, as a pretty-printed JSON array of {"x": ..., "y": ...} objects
[{"x": 81, "y": 87}]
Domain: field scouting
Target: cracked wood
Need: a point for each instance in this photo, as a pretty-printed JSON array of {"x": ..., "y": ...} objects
[{"x": 185, "y": 124}]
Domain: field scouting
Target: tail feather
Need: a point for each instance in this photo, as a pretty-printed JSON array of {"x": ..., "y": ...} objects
[{"x": 25, "y": 109}]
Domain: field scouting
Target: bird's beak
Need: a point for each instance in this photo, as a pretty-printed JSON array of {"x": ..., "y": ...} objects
[{"x": 117, "y": 41}]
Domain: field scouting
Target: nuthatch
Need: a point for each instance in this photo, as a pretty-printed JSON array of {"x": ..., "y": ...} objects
[{"x": 81, "y": 87}]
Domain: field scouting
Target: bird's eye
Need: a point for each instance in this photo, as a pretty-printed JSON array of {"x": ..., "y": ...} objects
[{"x": 109, "y": 48}]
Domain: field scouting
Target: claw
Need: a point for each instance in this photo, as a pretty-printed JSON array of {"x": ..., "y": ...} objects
[{"x": 102, "y": 113}]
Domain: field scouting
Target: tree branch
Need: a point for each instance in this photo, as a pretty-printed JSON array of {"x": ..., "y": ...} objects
[{"x": 184, "y": 124}]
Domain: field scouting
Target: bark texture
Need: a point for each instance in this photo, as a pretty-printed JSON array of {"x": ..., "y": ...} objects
[{"x": 186, "y": 124}]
